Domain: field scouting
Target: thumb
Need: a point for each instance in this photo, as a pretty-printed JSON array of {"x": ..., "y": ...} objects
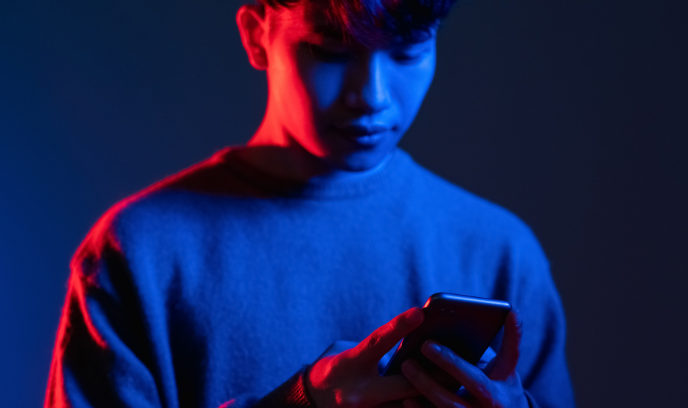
[
  {"x": 379, "y": 342},
  {"x": 504, "y": 364}
]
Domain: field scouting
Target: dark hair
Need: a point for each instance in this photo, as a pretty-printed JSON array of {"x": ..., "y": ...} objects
[{"x": 368, "y": 21}]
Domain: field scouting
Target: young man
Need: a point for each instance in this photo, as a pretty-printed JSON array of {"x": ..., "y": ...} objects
[{"x": 222, "y": 285}]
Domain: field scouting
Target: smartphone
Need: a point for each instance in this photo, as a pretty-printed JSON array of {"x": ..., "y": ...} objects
[{"x": 465, "y": 324}]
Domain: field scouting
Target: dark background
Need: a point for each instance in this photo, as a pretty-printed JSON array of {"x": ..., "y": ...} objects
[{"x": 571, "y": 114}]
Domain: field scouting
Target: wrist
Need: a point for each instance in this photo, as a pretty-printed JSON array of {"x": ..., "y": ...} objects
[{"x": 291, "y": 394}]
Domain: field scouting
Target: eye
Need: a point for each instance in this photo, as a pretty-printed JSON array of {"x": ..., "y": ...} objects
[
  {"x": 327, "y": 55},
  {"x": 410, "y": 54},
  {"x": 408, "y": 58}
]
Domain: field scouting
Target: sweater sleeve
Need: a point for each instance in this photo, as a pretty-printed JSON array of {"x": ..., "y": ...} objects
[
  {"x": 542, "y": 366},
  {"x": 111, "y": 349},
  {"x": 291, "y": 394}
]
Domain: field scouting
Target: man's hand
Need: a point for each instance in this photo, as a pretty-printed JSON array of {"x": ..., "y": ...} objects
[
  {"x": 498, "y": 385},
  {"x": 350, "y": 378}
]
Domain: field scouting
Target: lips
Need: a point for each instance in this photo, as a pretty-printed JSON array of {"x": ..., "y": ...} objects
[
  {"x": 364, "y": 136},
  {"x": 360, "y": 130}
]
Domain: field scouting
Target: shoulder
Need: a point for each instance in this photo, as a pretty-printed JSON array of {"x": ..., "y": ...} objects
[
  {"x": 487, "y": 236},
  {"x": 475, "y": 217},
  {"x": 160, "y": 213}
]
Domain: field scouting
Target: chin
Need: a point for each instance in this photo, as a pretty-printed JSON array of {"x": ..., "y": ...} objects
[{"x": 361, "y": 161}]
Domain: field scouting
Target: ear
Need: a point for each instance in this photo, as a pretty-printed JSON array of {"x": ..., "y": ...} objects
[{"x": 252, "y": 24}]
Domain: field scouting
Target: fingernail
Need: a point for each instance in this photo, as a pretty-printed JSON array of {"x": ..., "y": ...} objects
[
  {"x": 409, "y": 367},
  {"x": 414, "y": 317},
  {"x": 519, "y": 318},
  {"x": 432, "y": 348}
]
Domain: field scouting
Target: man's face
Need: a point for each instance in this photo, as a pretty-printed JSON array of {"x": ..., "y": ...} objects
[{"x": 346, "y": 104}]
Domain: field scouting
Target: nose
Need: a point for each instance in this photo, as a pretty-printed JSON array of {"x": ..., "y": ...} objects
[{"x": 368, "y": 90}]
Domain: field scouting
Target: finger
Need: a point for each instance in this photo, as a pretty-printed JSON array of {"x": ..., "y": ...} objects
[
  {"x": 471, "y": 377},
  {"x": 411, "y": 403},
  {"x": 392, "y": 388},
  {"x": 468, "y": 400},
  {"x": 459, "y": 403},
  {"x": 336, "y": 348},
  {"x": 462, "y": 402},
  {"x": 426, "y": 385},
  {"x": 390, "y": 404},
  {"x": 421, "y": 402},
  {"x": 507, "y": 357},
  {"x": 373, "y": 347}
]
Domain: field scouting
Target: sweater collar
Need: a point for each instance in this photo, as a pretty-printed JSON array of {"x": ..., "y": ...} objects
[{"x": 391, "y": 173}]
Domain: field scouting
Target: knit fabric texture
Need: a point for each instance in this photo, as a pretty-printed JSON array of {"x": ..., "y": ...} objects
[{"x": 219, "y": 285}]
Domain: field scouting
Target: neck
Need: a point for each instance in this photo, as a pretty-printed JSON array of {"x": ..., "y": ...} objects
[{"x": 273, "y": 151}]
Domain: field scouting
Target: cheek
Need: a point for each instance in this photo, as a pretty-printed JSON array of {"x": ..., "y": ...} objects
[
  {"x": 295, "y": 91},
  {"x": 411, "y": 87},
  {"x": 323, "y": 83}
]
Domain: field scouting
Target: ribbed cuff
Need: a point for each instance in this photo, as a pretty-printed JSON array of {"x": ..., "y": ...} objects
[{"x": 291, "y": 394}]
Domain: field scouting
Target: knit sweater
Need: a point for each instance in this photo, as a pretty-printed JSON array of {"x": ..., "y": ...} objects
[{"x": 219, "y": 285}]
